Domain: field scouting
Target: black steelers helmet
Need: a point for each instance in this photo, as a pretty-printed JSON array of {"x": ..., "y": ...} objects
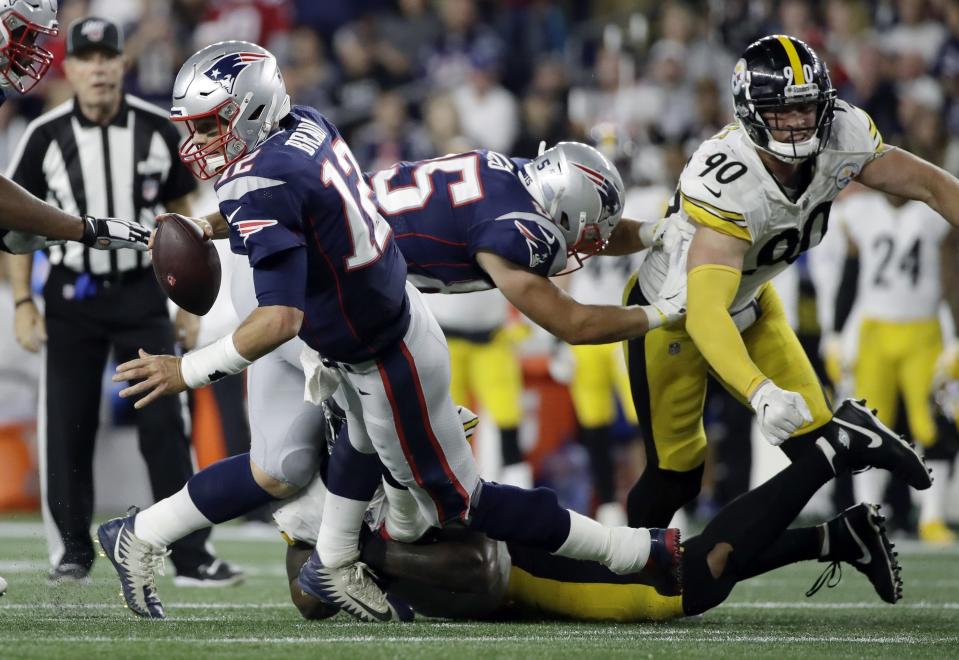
[{"x": 776, "y": 72}]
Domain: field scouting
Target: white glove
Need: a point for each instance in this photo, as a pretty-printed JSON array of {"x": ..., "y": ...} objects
[
  {"x": 562, "y": 364},
  {"x": 667, "y": 232},
  {"x": 671, "y": 304},
  {"x": 780, "y": 412},
  {"x": 21, "y": 242},
  {"x": 113, "y": 234}
]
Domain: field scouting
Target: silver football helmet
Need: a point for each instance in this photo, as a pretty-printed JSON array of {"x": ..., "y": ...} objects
[
  {"x": 231, "y": 96},
  {"x": 22, "y": 61},
  {"x": 581, "y": 191}
]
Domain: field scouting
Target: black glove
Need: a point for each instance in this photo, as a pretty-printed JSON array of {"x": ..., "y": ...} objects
[{"x": 113, "y": 234}]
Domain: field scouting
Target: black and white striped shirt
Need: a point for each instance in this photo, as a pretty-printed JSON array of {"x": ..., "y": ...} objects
[{"x": 127, "y": 169}]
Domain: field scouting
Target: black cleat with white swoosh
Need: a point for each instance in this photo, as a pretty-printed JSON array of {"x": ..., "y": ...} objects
[
  {"x": 867, "y": 442},
  {"x": 857, "y": 537}
]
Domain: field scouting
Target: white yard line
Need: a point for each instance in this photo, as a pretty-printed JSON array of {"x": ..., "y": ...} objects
[{"x": 659, "y": 636}]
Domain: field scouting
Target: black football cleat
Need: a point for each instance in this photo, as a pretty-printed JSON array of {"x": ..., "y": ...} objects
[
  {"x": 867, "y": 442},
  {"x": 857, "y": 537}
]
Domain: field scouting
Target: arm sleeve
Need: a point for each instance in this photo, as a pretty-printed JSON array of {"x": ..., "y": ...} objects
[
  {"x": 712, "y": 288},
  {"x": 280, "y": 279},
  {"x": 846, "y": 294},
  {"x": 180, "y": 180}
]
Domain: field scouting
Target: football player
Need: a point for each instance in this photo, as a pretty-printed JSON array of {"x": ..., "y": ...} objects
[
  {"x": 758, "y": 195},
  {"x": 463, "y": 576},
  {"x": 895, "y": 254},
  {"x": 27, "y": 223},
  {"x": 326, "y": 267}
]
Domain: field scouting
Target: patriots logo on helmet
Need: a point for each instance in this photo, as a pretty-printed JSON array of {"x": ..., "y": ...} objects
[
  {"x": 608, "y": 193},
  {"x": 225, "y": 70}
]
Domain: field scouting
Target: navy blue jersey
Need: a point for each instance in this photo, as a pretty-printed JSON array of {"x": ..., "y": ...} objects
[
  {"x": 445, "y": 210},
  {"x": 302, "y": 189}
]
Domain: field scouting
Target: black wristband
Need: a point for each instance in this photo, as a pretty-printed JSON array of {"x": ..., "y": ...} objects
[{"x": 25, "y": 299}]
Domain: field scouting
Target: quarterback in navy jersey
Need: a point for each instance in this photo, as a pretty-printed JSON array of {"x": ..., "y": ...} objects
[
  {"x": 26, "y": 223},
  {"x": 326, "y": 267}
]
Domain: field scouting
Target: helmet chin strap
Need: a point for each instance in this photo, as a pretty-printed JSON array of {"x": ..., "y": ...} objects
[{"x": 803, "y": 150}]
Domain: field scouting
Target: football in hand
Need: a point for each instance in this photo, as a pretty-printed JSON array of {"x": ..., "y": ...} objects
[{"x": 186, "y": 263}]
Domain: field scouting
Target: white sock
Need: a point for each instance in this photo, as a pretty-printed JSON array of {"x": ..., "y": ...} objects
[
  {"x": 870, "y": 486},
  {"x": 824, "y": 550},
  {"x": 404, "y": 522},
  {"x": 621, "y": 549},
  {"x": 170, "y": 519},
  {"x": 339, "y": 539},
  {"x": 933, "y": 500}
]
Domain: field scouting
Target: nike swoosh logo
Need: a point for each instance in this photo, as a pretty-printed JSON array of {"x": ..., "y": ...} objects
[
  {"x": 874, "y": 439},
  {"x": 715, "y": 194},
  {"x": 229, "y": 218},
  {"x": 379, "y": 616},
  {"x": 866, "y": 555},
  {"x": 116, "y": 547}
]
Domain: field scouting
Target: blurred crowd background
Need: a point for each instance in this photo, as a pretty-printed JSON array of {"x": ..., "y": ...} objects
[
  {"x": 644, "y": 80},
  {"x": 407, "y": 79}
]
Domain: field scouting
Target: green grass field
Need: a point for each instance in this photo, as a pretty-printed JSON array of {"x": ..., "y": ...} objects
[{"x": 768, "y": 616}]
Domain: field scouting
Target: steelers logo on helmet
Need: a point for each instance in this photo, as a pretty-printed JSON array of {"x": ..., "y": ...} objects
[{"x": 784, "y": 98}]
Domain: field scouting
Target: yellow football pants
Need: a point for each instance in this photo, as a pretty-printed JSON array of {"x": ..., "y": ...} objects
[
  {"x": 489, "y": 374},
  {"x": 669, "y": 383},
  {"x": 598, "y": 379},
  {"x": 899, "y": 360}
]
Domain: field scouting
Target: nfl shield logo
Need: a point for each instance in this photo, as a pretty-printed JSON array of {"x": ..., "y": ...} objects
[
  {"x": 93, "y": 30},
  {"x": 674, "y": 348}
]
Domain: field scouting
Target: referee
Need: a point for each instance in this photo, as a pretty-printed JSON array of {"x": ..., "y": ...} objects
[{"x": 106, "y": 154}]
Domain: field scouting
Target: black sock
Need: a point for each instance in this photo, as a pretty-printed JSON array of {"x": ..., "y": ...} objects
[
  {"x": 509, "y": 446},
  {"x": 752, "y": 522},
  {"x": 793, "y": 545},
  {"x": 599, "y": 446}
]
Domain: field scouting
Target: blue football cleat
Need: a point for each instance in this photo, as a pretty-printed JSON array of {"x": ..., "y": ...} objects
[
  {"x": 137, "y": 564},
  {"x": 352, "y": 588}
]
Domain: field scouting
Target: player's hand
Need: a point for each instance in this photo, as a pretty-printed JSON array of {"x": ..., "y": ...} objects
[
  {"x": 668, "y": 233},
  {"x": 19, "y": 242},
  {"x": 780, "y": 412},
  {"x": 562, "y": 364},
  {"x": 158, "y": 375},
  {"x": 201, "y": 224},
  {"x": 114, "y": 234},
  {"x": 671, "y": 304},
  {"x": 29, "y": 327}
]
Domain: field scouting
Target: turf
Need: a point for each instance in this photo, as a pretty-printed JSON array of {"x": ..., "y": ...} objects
[{"x": 768, "y": 616}]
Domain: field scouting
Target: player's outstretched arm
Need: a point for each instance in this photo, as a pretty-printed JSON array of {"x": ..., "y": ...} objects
[
  {"x": 553, "y": 309},
  {"x": 898, "y": 172},
  {"x": 714, "y": 270},
  {"x": 28, "y": 216}
]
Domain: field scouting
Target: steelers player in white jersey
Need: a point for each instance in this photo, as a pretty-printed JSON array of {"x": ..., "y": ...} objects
[
  {"x": 898, "y": 245},
  {"x": 759, "y": 194}
]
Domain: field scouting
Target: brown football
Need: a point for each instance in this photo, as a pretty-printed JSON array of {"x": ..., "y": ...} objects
[{"x": 186, "y": 264}]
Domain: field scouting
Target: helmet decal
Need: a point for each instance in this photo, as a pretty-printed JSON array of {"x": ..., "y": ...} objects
[{"x": 225, "y": 70}]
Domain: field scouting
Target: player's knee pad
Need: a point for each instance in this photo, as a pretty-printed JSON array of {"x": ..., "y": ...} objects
[{"x": 658, "y": 494}]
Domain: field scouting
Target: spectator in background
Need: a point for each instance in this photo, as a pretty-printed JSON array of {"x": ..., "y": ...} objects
[
  {"x": 442, "y": 124},
  {"x": 704, "y": 57},
  {"x": 406, "y": 32},
  {"x": 796, "y": 19},
  {"x": 360, "y": 80},
  {"x": 534, "y": 29},
  {"x": 488, "y": 113},
  {"x": 447, "y": 60},
  {"x": 916, "y": 33},
  {"x": 874, "y": 92},
  {"x": 391, "y": 136},
  {"x": 664, "y": 98},
  {"x": 947, "y": 69},
  {"x": 264, "y": 22},
  {"x": 609, "y": 96},
  {"x": 309, "y": 76}
]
